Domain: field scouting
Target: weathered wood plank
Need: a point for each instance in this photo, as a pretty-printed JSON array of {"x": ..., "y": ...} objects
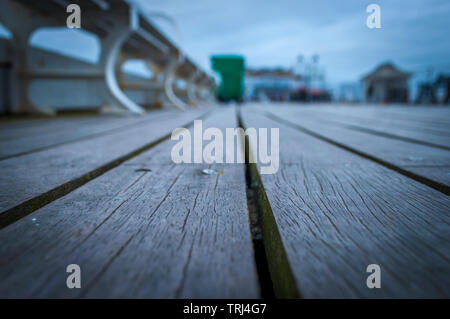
[
  {"x": 428, "y": 164},
  {"x": 378, "y": 125},
  {"x": 31, "y": 181},
  {"x": 166, "y": 231},
  {"x": 336, "y": 213},
  {"x": 19, "y": 141},
  {"x": 18, "y": 128},
  {"x": 431, "y": 120},
  {"x": 437, "y": 116}
]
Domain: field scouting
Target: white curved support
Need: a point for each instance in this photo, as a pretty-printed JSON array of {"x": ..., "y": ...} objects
[
  {"x": 202, "y": 92},
  {"x": 169, "y": 77},
  {"x": 110, "y": 52},
  {"x": 192, "y": 87}
]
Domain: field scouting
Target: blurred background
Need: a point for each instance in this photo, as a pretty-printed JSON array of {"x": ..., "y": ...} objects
[{"x": 292, "y": 50}]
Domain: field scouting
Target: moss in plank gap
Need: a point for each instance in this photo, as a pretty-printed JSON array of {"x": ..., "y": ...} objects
[
  {"x": 283, "y": 280},
  {"x": 284, "y": 283}
]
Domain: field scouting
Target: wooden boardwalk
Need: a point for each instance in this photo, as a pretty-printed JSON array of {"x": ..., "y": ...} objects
[{"x": 356, "y": 186}]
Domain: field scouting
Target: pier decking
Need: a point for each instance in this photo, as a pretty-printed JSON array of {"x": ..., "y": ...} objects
[{"x": 356, "y": 185}]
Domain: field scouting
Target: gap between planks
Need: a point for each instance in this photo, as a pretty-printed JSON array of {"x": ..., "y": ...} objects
[
  {"x": 326, "y": 230},
  {"x": 389, "y": 135},
  {"x": 156, "y": 232},
  {"x": 421, "y": 179},
  {"x": 270, "y": 254},
  {"x": 83, "y": 138},
  {"x": 25, "y": 208}
]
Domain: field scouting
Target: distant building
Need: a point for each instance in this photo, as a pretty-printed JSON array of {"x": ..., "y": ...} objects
[
  {"x": 270, "y": 84},
  {"x": 313, "y": 87},
  {"x": 281, "y": 86},
  {"x": 386, "y": 84}
]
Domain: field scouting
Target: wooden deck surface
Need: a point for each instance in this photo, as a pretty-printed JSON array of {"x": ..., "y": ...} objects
[{"x": 357, "y": 185}]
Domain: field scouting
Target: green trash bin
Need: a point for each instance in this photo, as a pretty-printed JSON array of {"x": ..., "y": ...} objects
[{"x": 231, "y": 69}]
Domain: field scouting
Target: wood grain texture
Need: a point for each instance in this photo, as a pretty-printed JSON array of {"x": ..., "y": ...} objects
[
  {"x": 21, "y": 139},
  {"x": 354, "y": 118},
  {"x": 12, "y": 128},
  {"x": 430, "y": 119},
  {"x": 337, "y": 213},
  {"x": 26, "y": 177},
  {"x": 148, "y": 228},
  {"x": 427, "y": 162}
]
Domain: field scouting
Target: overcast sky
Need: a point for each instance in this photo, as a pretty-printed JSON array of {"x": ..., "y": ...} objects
[
  {"x": 414, "y": 33},
  {"x": 271, "y": 33}
]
